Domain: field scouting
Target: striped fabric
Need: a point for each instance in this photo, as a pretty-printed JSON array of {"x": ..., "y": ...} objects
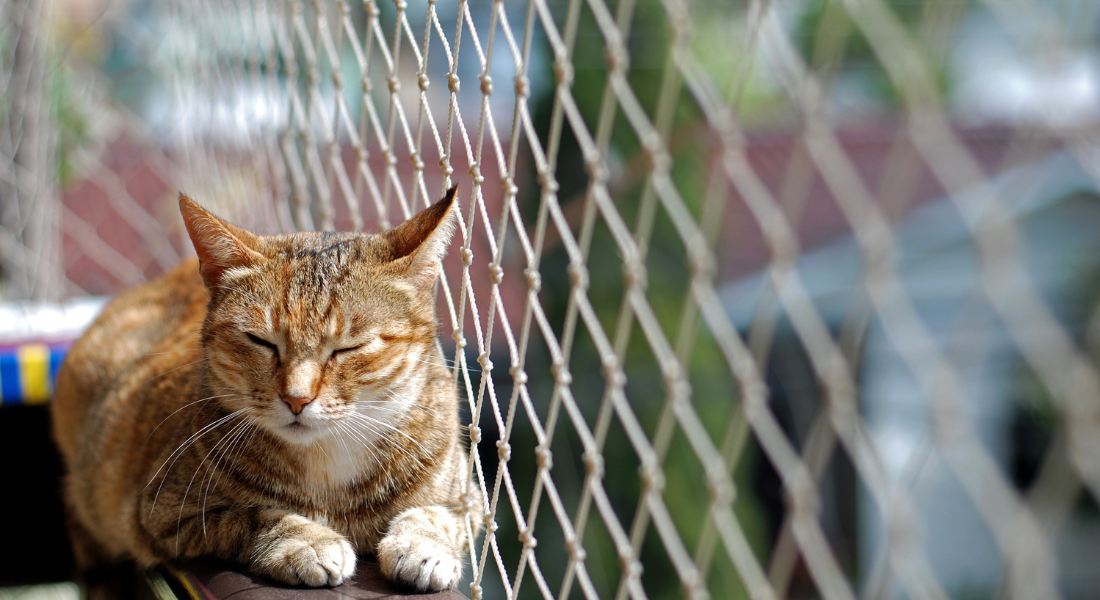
[{"x": 27, "y": 372}]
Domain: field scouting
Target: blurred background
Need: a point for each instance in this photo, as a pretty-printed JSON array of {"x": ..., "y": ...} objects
[{"x": 750, "y": 300}]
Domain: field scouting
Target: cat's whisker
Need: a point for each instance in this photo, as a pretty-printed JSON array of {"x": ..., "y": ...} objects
[
  {"x": 467, "y": 368},
  {"x": 341, "y": 439},
  {"x": 320, "y": 447},
  {"x": 379, "y": 436},
  {"x": 181, "y": 449},
  {"x": 446, "y": 362},
  {"x": 391, "y": 397},
  {"x": 173, "y": 369},
  {"x": 211, "y": 482},
  {"x": 171, "y": 351},
  {"x": 427, "y": 361},
  {"x": 423, "y": 407},
  {"x": 438, "y": 360},
  {"x": 253, "y": 430},
  {"x": 371, "y": 446},
  {"x": 392, "y": 447},
  {"x": 206, "y": 399},
  {"x": 248, "y": 426},
  {"x": 216, "y": 449},
  {"x": 183, "y": 503},
  {"x": 395, "y": 429},
  {"x": 183, "y": 446},
  {"x": 208, "y": 476},
  {"x": 358, "y": 426},
  {"x": 347, "y": 428}
]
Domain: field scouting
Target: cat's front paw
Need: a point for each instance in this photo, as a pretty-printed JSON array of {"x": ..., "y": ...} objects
[
  {"x": 299, "y": 551},
  {"x": 419, "y": 562}
]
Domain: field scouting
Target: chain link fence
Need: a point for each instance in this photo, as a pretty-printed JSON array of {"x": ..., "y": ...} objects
[{"x": 748, "y": 299}]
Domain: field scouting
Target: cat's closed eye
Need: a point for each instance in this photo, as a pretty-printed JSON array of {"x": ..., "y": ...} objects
[
  {"x": 347, "y": 350},
  {"x": 263, "y": 343}
]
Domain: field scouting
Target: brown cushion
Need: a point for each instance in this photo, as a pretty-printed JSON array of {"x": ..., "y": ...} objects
[{"x": 217, "y": 581}]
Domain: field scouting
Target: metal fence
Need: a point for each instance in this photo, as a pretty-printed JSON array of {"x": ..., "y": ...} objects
[{"x": 748, "y": 299}]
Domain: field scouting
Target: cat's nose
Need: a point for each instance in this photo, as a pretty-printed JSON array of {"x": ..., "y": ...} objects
[
  {"x": 296, "y": 403},
  {"x": 301, "y": 384}
]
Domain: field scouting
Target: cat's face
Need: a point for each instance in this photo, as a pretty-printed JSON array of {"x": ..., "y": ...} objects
[{"x": 316, "y": 334}]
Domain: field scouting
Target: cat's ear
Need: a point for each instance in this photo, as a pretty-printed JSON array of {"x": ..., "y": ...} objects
[
  {"x": 220, "y": 245},
  {"x": 416, "y": 246}
]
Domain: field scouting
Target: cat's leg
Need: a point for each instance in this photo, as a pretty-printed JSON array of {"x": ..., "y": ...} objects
[
  {"x": 423, "y": 548},
  {"x": 277, "y": 543}
]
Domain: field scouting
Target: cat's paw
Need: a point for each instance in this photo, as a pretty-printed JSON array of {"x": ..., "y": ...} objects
[
  {"x": 419, "y": 562},
  {"x": 300, "y": 551}
]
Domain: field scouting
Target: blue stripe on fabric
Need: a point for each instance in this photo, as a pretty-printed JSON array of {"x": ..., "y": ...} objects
[
  {"x": 57, "y": 354},
  {"x": 10, "y": 390}
]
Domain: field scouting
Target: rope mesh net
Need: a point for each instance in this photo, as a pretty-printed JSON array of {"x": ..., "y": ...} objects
[{"x": 747, "y": 299}]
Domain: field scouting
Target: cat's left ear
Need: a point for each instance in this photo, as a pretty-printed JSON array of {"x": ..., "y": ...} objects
[
  {"x": 416, "y": 246},
  {"x": 220, "y": 245}
]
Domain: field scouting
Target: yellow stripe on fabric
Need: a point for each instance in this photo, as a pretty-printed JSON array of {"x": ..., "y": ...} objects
[
  {"x": 34, "y": 372},
  {"x": 185, "y": 581}
]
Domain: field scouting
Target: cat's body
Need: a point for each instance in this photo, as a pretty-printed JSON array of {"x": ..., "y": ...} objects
[{"x": 284, "y": 405}]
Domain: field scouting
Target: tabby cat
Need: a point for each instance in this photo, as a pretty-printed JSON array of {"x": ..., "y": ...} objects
[{"x": 281, "y": 402}]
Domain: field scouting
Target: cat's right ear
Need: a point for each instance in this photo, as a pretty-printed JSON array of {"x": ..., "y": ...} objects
[
  {"x": 416, "y": 246},
  {"x": 221, "y": 246}
]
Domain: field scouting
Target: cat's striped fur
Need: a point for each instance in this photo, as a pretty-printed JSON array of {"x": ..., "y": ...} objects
[{"x": 281, "y": 402}]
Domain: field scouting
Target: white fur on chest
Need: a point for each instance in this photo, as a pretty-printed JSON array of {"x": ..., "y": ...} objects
[
  {"x": 335, "y": 462},
  {"x": 350, "y": 448}
]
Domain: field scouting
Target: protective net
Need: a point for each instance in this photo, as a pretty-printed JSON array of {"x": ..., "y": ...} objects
[{"x": 747, "y": 300}]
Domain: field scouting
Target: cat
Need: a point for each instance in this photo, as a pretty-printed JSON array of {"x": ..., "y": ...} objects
[{"x": 280, "y": 401}]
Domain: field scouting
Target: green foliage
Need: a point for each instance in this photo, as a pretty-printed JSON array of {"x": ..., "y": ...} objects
[
  {"x": 823, "y": 19},
  {"x": 718, "y": 46}
]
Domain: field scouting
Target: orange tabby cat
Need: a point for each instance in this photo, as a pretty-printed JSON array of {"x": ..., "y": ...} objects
[{"x": 281, "y": 402}]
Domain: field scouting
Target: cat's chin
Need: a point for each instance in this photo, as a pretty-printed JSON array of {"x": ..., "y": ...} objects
[{"x": 298, "y": 433}]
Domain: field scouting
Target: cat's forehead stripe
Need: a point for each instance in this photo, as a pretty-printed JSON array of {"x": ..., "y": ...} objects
[{"x": 326, "y": 247}]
